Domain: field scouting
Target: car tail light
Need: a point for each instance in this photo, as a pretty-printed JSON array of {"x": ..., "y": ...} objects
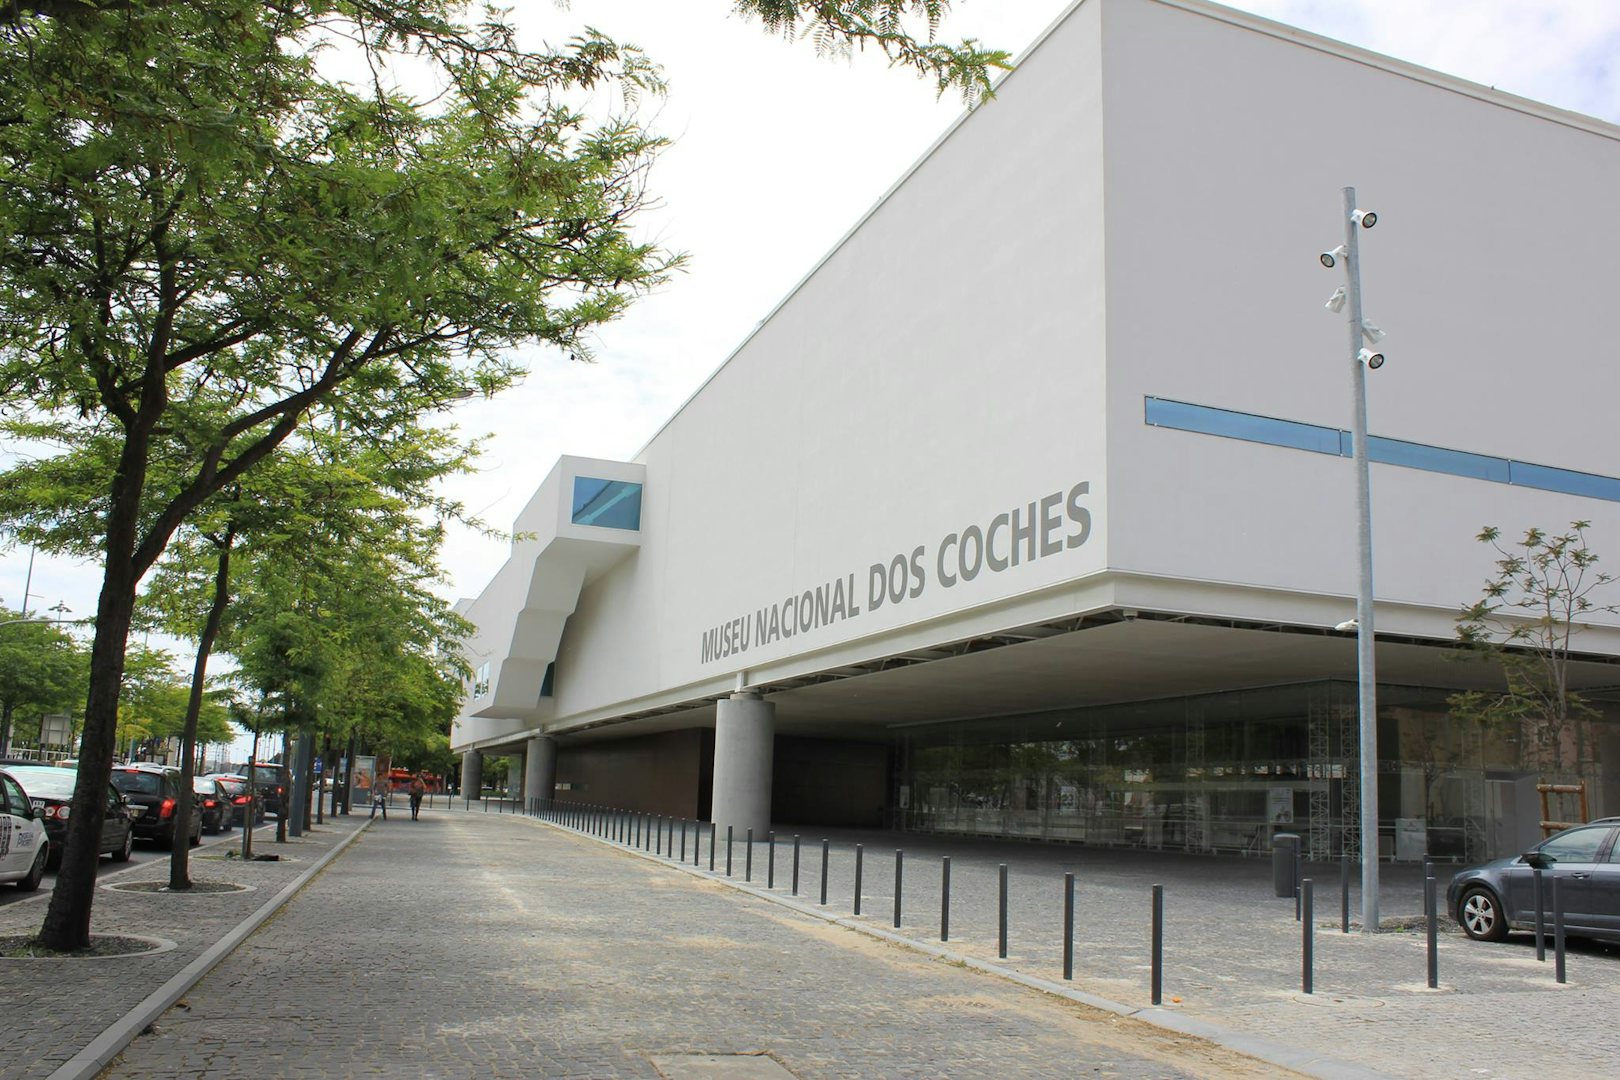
[
  {"x": 209, "y": 803},
  {"x": 241, "y": 800},
  {"x": 166, "y": 809},
  {"x": 53, "y": 810}
]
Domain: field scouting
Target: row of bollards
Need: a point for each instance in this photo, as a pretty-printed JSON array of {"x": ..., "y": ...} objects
[{"x": 656, "y": 834}]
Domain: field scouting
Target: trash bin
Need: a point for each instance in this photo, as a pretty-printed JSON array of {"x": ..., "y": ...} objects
[{"x": 1284, "y": 852}]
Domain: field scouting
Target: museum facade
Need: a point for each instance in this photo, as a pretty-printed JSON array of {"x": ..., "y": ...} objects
[{"x": 1031, "y": 510}]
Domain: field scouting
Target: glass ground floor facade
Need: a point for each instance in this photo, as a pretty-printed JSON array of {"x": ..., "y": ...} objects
[{"x": 1224, "y": 772}]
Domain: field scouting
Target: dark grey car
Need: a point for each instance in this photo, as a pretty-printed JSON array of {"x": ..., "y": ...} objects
[{"x": 1489, "y": 900}]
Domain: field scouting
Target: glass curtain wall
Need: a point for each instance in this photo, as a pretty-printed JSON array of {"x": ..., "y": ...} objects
[{"x": 1215, "y": 773}]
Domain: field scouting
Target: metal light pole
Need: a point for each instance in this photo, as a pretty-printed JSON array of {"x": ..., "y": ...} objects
[{"x": 1360, "y": 359}]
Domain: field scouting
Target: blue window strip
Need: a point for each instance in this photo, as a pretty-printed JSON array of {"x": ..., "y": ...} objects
[
  {"x": 1565, "y": 481},
  {"x": 1246, "y": 426},
  {"x": 1294, "y": 435},
  {"x": 609, "y": 504}
]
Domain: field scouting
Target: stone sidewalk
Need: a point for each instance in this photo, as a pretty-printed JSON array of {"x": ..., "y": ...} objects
[
  {"x": 467, "y": 945},
  {"x": 1232, "y": 955},
  {"x": 472, "y": 944},
  {"x": 56, "y": 1008}
]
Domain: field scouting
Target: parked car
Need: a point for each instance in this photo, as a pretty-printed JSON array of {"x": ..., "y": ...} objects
[
  {"x": 50, "y": 791},
  {"x": 24, "y": 847},
  {"x": 271, "y": 782},
  {"x": 153, "y": 794},
  {"x": 236, "y": 789},
  {"x": 213, "y": 805},
  {"x": 1490, "y": 900}
]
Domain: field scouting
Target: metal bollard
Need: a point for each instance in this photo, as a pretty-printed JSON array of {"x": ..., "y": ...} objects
[
  {"x": 945, "y": 898},
  {"x": 1431, "y": 910},
  {"x": 1344, "y": 893},
  {"x": 857, "y": 879},
  {"x": 770, "y": 859},
  {"x": 795, "y": 864},
  {"x": 1001, "y": 938},
  {"x": 1558, "y": 933},
  {"x": 1068, "y": 926},
  {"x": 728, "y": 850},
  {"x": 658, "y": 835},
  {"x": 1541, "y": 916},
  {"x": 1299, "y": 878},
  {"x": 899, "y": 861},
  {"x": 638, "y": 831},
  {"x": 1307, "y": 940},
  {"x": 683, "y": 840},
  {"x": 823, "y": 871},
  {"x": 748, "y": 858},
  {"x": 1157, "y": 985},
  {"x": 713, "y": 828}
]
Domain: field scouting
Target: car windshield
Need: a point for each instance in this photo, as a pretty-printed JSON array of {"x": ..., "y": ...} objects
[
  {"x": 202, "y": 786},
  {"x": 266, "y": 774},
  {"x": 234, "y": 786},
  {"x": 45, "y": 783},
  {"x": 135, "y": 782}
]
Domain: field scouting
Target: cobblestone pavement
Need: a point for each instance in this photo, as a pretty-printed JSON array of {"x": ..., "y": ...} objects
[
  {"x": 466, "y": 945},
  {"x": 54, "y": 1008},
  {"x": 1232, "y": 952}
]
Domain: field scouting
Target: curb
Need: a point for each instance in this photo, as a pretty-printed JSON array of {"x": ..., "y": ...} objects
[
  {"x": 1273, "y": 1053},
  {"x": 88, "y": 1062}
]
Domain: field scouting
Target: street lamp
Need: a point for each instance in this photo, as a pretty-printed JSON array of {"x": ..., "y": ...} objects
[{"x": 1362, "y": 334}]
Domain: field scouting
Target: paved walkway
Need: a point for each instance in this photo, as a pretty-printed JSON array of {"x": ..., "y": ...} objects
[
  {"x": 485, "y": 945},
  {"x": 54, "y": 1008},
  {"x": 467, "y": 945},
  {"x": 1232, "y": 950}
]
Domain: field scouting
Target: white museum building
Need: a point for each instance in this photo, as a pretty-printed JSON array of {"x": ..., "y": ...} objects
[{"x": 1031, "y": 511}]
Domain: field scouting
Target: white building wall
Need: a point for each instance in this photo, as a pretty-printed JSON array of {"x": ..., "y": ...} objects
[
  {"x": 1227, "y": 149},
  {"x": 941, "y": 367}
]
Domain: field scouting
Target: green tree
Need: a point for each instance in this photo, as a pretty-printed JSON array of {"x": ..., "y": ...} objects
[
  {"x": 203, "y": 237},
  {"x": 1543, "y": 588},
  {"x": 42, "y": 670}
]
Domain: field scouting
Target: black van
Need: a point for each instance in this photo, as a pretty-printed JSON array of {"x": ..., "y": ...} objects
[{"x": 271, "y": 782}]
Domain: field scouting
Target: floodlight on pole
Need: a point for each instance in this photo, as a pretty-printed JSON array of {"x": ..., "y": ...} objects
[{"x": 1361, "y": 361}]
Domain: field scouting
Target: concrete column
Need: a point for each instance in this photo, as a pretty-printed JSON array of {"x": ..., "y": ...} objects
[
  {"x": 472, "y": 775},
  {"x": 744, "y": 738},
  {"x": 540, "y": 770}
]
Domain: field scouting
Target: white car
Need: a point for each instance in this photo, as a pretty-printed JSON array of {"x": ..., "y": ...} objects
[{"x": 23, "y": 846}]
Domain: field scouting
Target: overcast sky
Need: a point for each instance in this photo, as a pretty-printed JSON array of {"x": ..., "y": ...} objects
[{"x": 777, "y": 153}]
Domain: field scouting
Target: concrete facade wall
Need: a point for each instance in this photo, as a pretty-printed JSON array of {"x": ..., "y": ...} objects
[
  {"x": 941, "y": 367},
  {"x": 1227, "y": 149},
  {"x": 655, "y": 774}
]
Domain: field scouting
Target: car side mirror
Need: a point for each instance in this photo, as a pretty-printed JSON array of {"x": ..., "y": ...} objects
[{"x": 1538, "y": 861}]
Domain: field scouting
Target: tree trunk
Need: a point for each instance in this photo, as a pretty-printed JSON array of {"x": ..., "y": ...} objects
[
  {"x": 5, "y": 729},
  {"x": 180, "y": 854},
  {"x": 348, "y": 775},
  {"x": 67, "y": 920}
]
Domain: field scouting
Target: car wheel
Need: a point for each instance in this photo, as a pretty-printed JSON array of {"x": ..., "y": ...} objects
[
  {"x": 122, "y": 854},
  {"x": 1481, "y": 915},
  {"x": 36, "y": 872}
]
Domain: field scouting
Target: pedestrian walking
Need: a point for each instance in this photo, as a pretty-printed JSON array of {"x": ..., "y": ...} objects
[
  {"x": 418, "y": 789},
  {"x": 379, "y": 800}
]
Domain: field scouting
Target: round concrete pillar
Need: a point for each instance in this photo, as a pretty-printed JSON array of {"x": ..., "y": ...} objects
[
  {"x": 540, "y": 771},
  {"x": 472, "y": 775},
  {"x": 744, "y": 738}
]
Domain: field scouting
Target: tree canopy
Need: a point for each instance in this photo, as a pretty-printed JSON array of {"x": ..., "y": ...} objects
[{"x": 204, "y": 235}]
